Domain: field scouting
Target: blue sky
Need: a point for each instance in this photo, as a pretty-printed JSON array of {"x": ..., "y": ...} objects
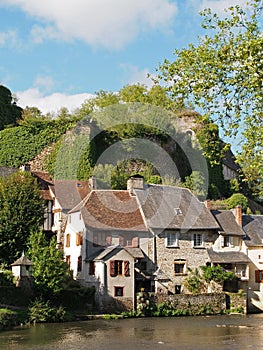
[{"x": 57, "y": 53}]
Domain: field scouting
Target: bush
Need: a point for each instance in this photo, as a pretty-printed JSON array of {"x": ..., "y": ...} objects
[
  {"x": 8, "y": 318},
  {"x": 42, "y": 311},
  {"x": 237, "y": 199}
]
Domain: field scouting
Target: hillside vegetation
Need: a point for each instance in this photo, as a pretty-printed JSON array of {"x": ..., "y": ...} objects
[{"x": 34, "y": 132}]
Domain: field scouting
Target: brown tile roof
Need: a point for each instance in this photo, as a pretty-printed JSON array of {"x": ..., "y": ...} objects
[
  {"x": 109, "y": 209},
  {"x": 169, "y": 207},
  {"x": 227, "y": 222},
  {"x": 45, "y": 182}
]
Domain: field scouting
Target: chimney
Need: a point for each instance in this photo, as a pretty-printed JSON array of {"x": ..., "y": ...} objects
[
  {"x": 92, "y": 183},
  {"x": 133, "y": 183},
  {"x": 238, "y": 214},
  {"x": 208, "y": 204}
]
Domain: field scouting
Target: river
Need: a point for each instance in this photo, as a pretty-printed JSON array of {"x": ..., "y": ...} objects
[{"x": 196, "y": 333}]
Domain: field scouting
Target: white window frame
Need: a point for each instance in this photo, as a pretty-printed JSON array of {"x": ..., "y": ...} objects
[
  {"x": 201, "y": 245},
  {"x": 172, "y": 242}
]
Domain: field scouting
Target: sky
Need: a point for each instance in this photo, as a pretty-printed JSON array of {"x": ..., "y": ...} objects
[{"x": 58, "y": 53}]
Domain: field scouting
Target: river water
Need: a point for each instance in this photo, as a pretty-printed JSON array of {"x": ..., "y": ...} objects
[{"x": 197, "y": 333}]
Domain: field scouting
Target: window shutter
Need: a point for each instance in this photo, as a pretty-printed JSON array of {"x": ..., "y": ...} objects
[
  {"x": 78, "y": 239},
  {"x": 108, "y": 240},
  {"x": 257, "y": 276},
  {"x": 121, "y": 241},
  {"x": 135, "y": 242},
  {"x": 126, "y": 268},
  {"x": 112, "y": 268},
  {"x": 68, "y": 240}
]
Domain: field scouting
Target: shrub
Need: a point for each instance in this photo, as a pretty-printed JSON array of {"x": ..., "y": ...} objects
[
  {"x": 8, "y": 318},
  {"x": 42, "y": 311},
  {"x": 237, "y": 199}
]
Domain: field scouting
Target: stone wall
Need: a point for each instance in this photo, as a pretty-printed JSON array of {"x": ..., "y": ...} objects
[{"x": 195, "y": 303}]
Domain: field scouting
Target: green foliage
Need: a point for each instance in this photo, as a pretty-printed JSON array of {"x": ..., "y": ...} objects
[
  {"x": 6, "y": 277},
  {"x": 222, "y": 76},
  {"x": 50, "y": 271},
  {"x": 237, "y": 199},
  {"x": 193, "y": 282},
  {"x": 21, "y": 210},
  {"x": 217, "y": 274},
  {"x": 42, "y": 311},
  {"x": 10, "y": 113},
  {"x": 8, "y": 318},
  {"x": 22, "y": 143},
  {"x": 196, "y": 183}
]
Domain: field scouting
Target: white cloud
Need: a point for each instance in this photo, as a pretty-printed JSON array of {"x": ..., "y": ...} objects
[
  {"x": 134, "y": 76},
  {"x": 110, "y": 24},
  {"x": 50, "y": 103},
  {"x": 9, "y": 38}
]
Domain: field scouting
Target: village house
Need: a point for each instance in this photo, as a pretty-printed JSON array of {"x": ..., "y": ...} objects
[
  {"x": 183, "y": 230},
  {"x": 148, "y": 237},
  {"x": 228, "y": 250},
  {"x": 106, "y": 246},
  {"x": 253, "y": 227}
]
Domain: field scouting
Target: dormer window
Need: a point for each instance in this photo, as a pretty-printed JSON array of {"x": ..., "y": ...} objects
[{"x": 178, "y": 211}]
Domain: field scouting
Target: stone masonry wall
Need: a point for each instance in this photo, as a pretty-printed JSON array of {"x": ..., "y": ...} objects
[
  {"x": 195, "y": 303},
  {"x": 194, "y": 257}
]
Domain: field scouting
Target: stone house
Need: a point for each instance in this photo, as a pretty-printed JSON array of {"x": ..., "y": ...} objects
[
  {"x": 253, "y": 227},
  {"x": 183, "y": 230},
  {"x": 228, "y": 250}
]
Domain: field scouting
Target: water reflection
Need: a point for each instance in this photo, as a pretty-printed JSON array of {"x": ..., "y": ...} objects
[{"x": 200, "y": 333}]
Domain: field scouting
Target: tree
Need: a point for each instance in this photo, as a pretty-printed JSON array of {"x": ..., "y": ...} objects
[
  {"x": 196, "y": 183},
  {"x": 10, "y": 113},
  {"x": 21, "y": 210},
  {"x": 50, "y": 271},
  {"x": 223, "y": 76},
  {"x": 237, "y": 199}
]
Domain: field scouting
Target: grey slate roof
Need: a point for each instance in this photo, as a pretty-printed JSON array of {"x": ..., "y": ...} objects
[
  {"x": 168, "y": 207},
  {"x": 136, "y": 253},
  {"x": 70, "y": 192},
  {"x": 227, "y": 257},
  {"x": 253, "y": 226},
  {"x": 23, "y": 260},
  {"x": 227, "y": 222}
]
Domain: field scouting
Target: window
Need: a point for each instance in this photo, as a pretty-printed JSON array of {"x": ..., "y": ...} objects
[
  {"x": 197, "y": 240},
  {"x": 101, "y": 239},
  {"x": 78, "y": 238},
  {"x": 180, "y": 267},
  {"x": 259, "y": 276},
  {"x": 129, "y": 241},
  {"x": 172, "y": 240},
  {"x": 119, "y": 268},
  {"x": 118, "y": 291},
  {"x": 92, "y": 268},
  {"x": 228, "y": 241},
  {"x": 79, "y": 264},
  {"x": 178, "y": 211},
  {"x": 177, "y": 289},
  {"x": 68, "y": 240}
]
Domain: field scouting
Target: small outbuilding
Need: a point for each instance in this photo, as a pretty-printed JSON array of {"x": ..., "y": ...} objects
[{"x": 22, "y": 269}]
